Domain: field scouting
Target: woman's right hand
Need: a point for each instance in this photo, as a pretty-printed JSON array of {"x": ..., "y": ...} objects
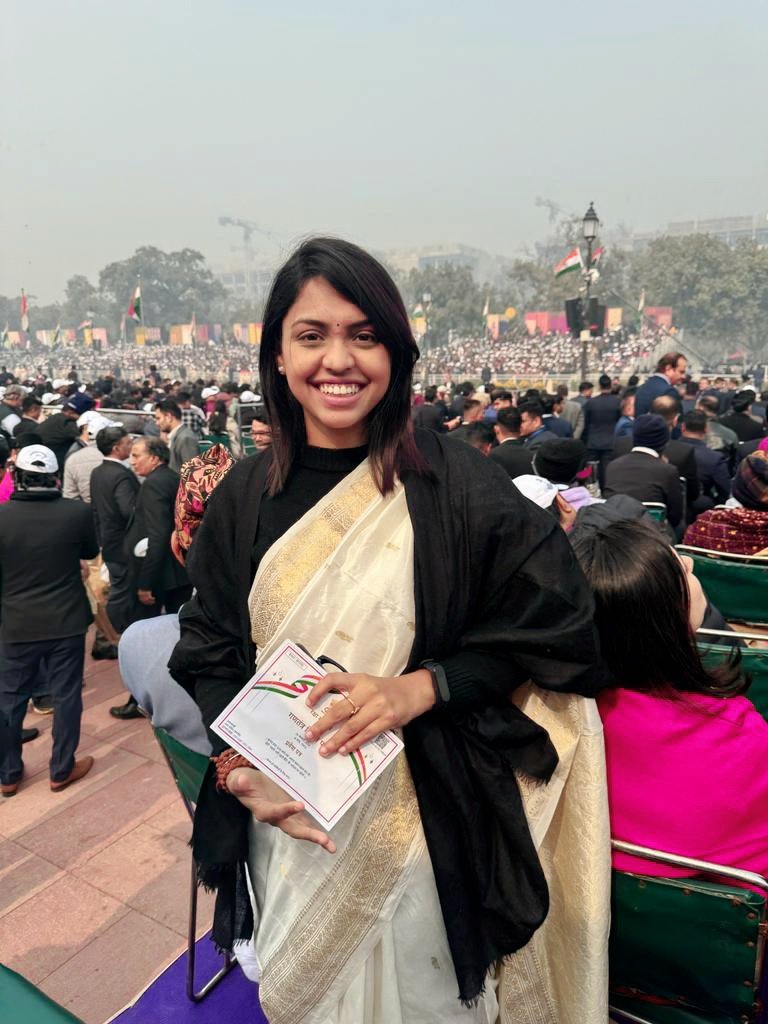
[{"x": 271, "y": 805}]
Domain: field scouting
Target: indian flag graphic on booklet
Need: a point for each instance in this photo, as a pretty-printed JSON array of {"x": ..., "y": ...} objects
[{"x": 571, "y": 262}]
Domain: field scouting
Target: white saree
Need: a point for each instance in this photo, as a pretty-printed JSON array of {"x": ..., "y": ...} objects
[{"x": 358, "y": 937}]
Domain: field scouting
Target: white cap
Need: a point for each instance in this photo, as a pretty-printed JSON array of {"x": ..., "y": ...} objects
[
  {"x": 148, "y": 407},
  {"x": 95, "y": 422},
  {"x": 58, "y": 383},
  {"x": 36, "y": 458},
  {"x": 209, "y": 392},
  {"x": 48, "y": 397},
  {"x": 248, "y": 396},
  {"x": 536, "y": 489}
]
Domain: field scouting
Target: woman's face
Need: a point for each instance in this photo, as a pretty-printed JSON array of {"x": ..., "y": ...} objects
[
  {"x": 336, "y": 367},
  {"x": 698, "y": 601}
]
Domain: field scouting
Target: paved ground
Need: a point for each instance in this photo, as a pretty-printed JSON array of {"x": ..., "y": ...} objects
[{"x": 94, "y": 880}]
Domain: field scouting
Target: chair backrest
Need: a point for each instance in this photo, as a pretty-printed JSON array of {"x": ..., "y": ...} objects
[
  {"x": 21, "y": 1001},
  {"x": 248, "y": 444},
  {"x": 657, "y": 510},
  {"x": 686, "y": 949},
  {"x": 736, "y": 584},
  {"x": 188, "y": 766},
  {"x": 754, "y": 663}
]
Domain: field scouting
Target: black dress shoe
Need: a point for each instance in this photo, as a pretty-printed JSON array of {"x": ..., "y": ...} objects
[
  {"x": 29, "y": 734},
  {"x": 128, "y": 710},
  {"x": 101, "y": 653}
]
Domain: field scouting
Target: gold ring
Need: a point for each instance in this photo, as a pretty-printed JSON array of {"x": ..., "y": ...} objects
[{"x": 349, "y": 700}]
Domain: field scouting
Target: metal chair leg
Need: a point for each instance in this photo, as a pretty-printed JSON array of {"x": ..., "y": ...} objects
[{"x": 195, "y": 997}]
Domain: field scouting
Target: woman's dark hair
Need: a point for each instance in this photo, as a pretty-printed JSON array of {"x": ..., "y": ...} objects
[
  {"x": 362, "y": 280},
  {"x": 5, "y": 452},
  {"x": 217, "y": 420},
  {"x": 641, "y": 612}
]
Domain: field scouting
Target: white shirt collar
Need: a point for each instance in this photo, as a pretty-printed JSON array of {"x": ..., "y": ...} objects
[{"x": 646, "y": 451}]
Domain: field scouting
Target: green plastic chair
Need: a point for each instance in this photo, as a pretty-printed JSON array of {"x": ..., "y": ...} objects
[
  {"x": 737, "y": 584},
  {"x": 686, "y": 950},
  {"x": 208, "y": 442},
  {"x": 188, "y": 769},
  {"x": 657, "y": 510},
  {"x": 754, "y": 662},
  {"x": 21, "y": 1001},
  {"x": 248, "y": 444}
]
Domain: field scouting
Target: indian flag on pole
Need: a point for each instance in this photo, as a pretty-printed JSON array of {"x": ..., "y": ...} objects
[
  {"x": 24, "y": 317},
  {"x": 596, "y": 255},
  {"x": 134, "y": 309},
  {"x": 571, "y": 262}
]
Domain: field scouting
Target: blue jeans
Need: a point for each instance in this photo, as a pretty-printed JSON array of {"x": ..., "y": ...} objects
[{"x": 21, "y": 665}]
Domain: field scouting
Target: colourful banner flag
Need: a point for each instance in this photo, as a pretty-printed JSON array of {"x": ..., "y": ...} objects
[
  {"x": 84, "y": 324},
  {"x": 24, "y": 312},
  {"x": 596, "y": 255}
]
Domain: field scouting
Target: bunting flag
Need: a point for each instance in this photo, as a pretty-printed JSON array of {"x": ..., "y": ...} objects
[
  {"x": 134, "y": 309},
  {"x": 571, "y": 262},
  {"x": 24, "y": 312},
  {"x": 596, "y": 256},
  {"x": 84, "y": 324}
]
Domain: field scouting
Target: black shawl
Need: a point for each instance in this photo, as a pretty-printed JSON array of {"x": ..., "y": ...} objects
[{"x": 495, "y": 577}]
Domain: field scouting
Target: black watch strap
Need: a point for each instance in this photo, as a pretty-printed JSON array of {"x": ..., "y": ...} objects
[{"x": 439, "y": 680}]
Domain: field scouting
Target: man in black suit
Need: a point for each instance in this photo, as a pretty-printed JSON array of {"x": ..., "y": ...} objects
[
  {"x": 739, "y": 419},
  {"x": 644, "y": 473},
  {"x": 510, "y": 451},
  {"x": 158, "y": 581},
  {"x": 677, "y": 453},
  {"x": 114, "y": 488},
  {"x": 157, "y": 578},
  {"x": 712, "y": 466},
  {"x": 60, "y": 430},
  {"x": 601, "y": 414}
]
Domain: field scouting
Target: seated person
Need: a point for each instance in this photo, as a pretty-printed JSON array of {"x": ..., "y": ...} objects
[
  {"x": 644, "y": 473},
  {"x": 685, "y": 750},
  {"x": 742, "y": 528}
]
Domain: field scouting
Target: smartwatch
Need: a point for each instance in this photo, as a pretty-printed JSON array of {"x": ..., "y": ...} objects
[{"x": 439, "y": 681}]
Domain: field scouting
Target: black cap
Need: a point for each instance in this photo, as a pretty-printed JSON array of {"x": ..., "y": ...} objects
[{"x": 561, "y": 460}]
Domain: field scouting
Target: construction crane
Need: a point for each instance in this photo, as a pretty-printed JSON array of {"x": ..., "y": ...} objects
[
  {"x": 248, "y": 227},
  {"x": 555, "y": 210}
]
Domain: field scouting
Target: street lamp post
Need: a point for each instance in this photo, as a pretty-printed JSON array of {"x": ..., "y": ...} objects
[{"x": 590, "y": 226}]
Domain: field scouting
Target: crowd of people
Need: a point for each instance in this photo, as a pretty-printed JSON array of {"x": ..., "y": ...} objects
[
  {"x": 495, "y": 571},
  {"x": 517, "y": 353}
]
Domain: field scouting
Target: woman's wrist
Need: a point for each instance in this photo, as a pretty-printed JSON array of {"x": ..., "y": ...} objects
[
  {"x": 420, "y": 691},
  {"x": 225, "y": 763}
]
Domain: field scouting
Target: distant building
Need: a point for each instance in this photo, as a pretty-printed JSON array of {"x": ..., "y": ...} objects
[
  {"x": 730, "y": 230},
  {"x": 486, "y": 267}
]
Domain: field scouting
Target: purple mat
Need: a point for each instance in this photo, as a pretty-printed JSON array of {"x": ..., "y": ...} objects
[{"x": 165, "y": 1001}]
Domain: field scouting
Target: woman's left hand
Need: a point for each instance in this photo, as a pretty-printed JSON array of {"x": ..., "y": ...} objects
[{"x": 382, "y": 703}]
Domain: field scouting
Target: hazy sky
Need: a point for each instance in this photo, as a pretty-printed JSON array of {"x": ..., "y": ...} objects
[{"x": 394, "y": 124}]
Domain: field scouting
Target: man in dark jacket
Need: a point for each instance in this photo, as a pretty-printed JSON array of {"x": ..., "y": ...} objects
[
  {"x": 510, "y": 451},
  {"x": 59, "y": 431},
  {"x": 429, "y": 415},
  {"x": 157, "y": 580},
  {"x": 601, "y": 414},
  {"x": 739, "y": 419},
  {"x": 712, "y": 466},
  {"x": 44, "y": 614},
  {"x": 114, "y": 487},
  {"x": 644, "y": 473},
  {"x": 670, "y": 371},
  {"x": 677, "y": 453}
]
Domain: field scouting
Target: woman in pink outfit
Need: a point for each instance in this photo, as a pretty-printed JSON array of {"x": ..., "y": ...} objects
[
  {"x": 686, "y": 753},
  {"x": 6, "y": 480}
]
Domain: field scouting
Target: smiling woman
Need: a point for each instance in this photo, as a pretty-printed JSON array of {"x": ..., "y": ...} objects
[{"x": 416, "y": 564}]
